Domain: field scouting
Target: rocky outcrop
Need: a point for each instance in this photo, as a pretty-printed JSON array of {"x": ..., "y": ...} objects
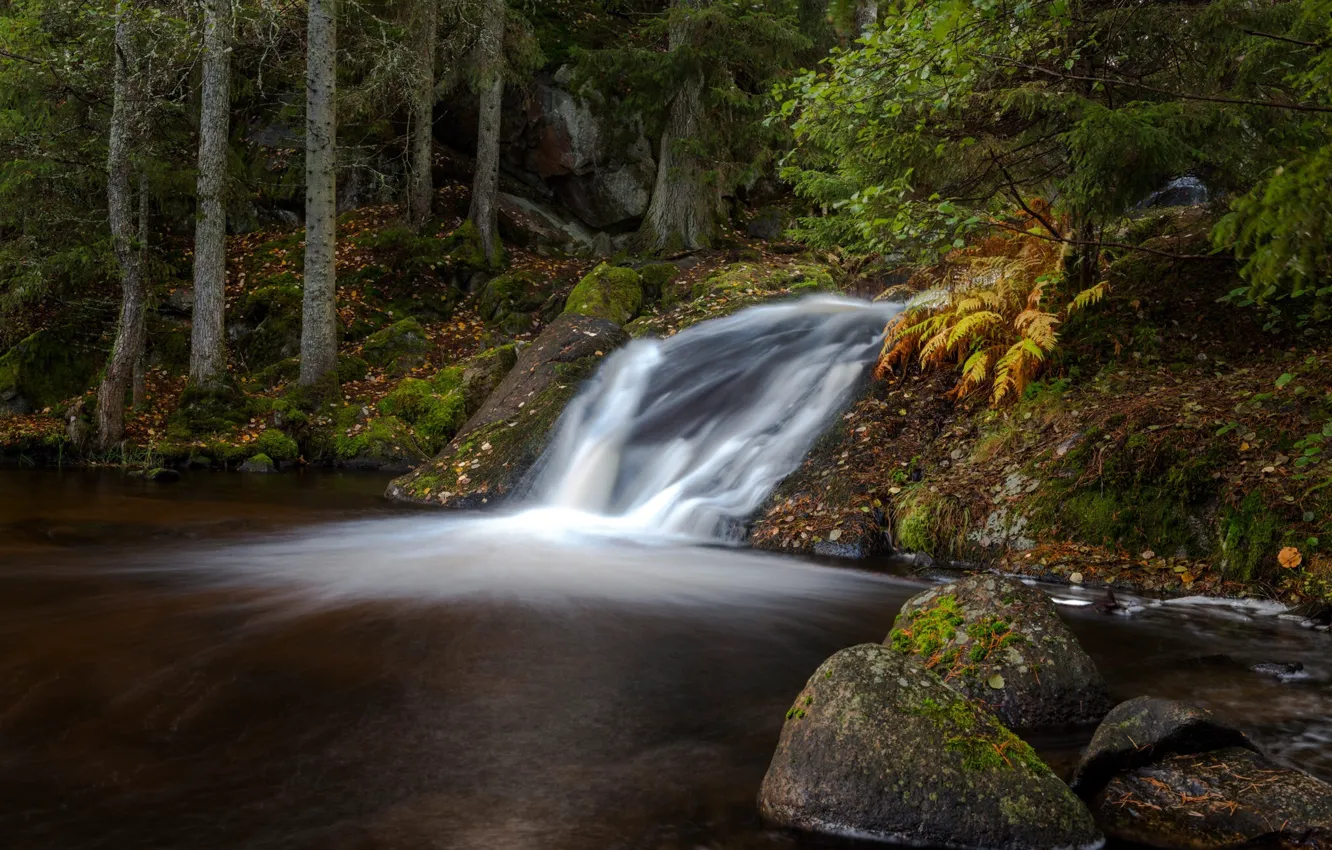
[
  {"x": 600, "y": 172},
  {"x": 1166, "y": 774},
  {"x": 44, "y": 370},
  {"x": 878, "y": 746},
  {"x": 497, "y": 446},
  {"x": 1000, "y": 642}
]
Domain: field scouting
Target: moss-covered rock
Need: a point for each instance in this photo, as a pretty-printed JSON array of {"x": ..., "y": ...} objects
[
  {"x": 209, "y": 410},
  {"x": 260, "y": 463},
  {"x": 267, "y": 329},
  {"x": 465, "y": 250},
  {"x": 656, "y": 280},
  {"x": 511, "y": 301},
  {"x": 878, "y": 746},
  {"x": 399, "y": 348},
  {"x": 434, "y": 416},
  {"x": 374, "y": 442},
  {"x": 45, "y": 369},
  {"x": 1001, "y": 643},
  {"x": 488, "y": 459},
  {"x": 608, "y": 292},
  {"x": 277, "y": 446}
]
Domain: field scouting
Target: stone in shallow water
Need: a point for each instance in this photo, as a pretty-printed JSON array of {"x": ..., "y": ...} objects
[
  {"x": 985, "y": 626},
  {"x": 1226, "y": 798},
  {"x": 878, "y": 746}
]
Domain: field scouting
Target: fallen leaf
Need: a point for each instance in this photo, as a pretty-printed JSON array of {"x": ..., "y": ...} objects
[{"x": 1290, "y": 558}]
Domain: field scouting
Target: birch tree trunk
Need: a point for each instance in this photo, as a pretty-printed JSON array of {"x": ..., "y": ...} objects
[
  {"x": 484, "y": 211},
  {"x": 208, "y": 358},
  {"x": 683, "y": 213},
  {"x": 421, "y": 188},
  {"x": 125, "y": 111},
  {"x": 319, "y": 330}
]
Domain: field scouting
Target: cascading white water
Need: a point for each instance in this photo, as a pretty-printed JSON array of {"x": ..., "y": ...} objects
[{"x": 687, "y": 436}]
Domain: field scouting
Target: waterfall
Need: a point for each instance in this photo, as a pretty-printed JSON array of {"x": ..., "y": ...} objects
[{"x": 688, "y": 435}]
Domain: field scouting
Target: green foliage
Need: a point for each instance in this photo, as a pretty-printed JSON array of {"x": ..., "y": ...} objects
[
  {"x": 278, "y": 446},
  {"x": 954, "y": 114}
]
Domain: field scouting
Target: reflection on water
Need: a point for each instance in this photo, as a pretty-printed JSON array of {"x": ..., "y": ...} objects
[{"x": 269, "y": 679}]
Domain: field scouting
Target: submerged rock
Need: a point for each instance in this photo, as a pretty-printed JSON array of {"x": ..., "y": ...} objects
[
  {"x": 1000, "y": 642},
  {"x": 878, "y": 746},
  {"x": 1226, "y": 798}
]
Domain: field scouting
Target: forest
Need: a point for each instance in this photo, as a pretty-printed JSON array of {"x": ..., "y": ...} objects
[
  {"x": 665, "y": 424},
  {"x": 276, "y": 234}
]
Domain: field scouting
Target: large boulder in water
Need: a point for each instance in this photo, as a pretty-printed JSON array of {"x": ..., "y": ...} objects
[
  {"x": 494, "y": 450},
  {"x": 1167, "y": 774},
  {"x": 1000, "y": 642},
  {"x": 878, "y": 746}
]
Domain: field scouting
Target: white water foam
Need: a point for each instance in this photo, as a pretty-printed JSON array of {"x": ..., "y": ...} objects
[{"x": 687, "y": 436}]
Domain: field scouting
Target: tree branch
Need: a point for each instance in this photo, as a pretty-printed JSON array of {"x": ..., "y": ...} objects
[
  {"x": 1297, "y": 107},
  {"x": 1301, "y": 42},
  {"x": 1120, "y": 245}
]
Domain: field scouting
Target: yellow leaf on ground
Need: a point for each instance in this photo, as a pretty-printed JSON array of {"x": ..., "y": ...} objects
[{"x": 1290, "y": 558}]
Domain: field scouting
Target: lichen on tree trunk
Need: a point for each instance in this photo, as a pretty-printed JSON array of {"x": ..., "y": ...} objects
[
  {"x": 421, "y": 187},
  {"x": 484, "y": 211},
  {"x": 319, "y": 319},
  {"x": 125, "y": 112},
  {"x": 208, "y": 362}
]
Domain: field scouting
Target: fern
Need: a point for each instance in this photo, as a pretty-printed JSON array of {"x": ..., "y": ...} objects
[{"x": 990, "y": 322}]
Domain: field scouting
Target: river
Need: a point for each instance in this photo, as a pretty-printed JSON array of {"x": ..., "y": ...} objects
[{"x": 289, "y": 661}]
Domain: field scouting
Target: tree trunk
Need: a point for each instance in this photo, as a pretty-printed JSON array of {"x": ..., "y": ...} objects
[
  {"x": 867, "y": 15},
  {"x": 484, "y": 212},
  {"x": 125, "y": 111},
  {"x": 421, "y": 188},
  {"x": 319, "y": 328},
  {"x": 139, "y": 394},
  {"x": 683, "y": 212},
  {"x": 208, "y": 358}
]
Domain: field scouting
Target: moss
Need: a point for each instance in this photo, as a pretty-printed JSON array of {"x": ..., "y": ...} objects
[
  {"x": 381, "y": 439},
  {"x": 518, "y": 292},
  {"x": 464, "y": 249},
  {"x": 984, "y": 743},
  {"x": 433, "y": 415},
  {"x": 277, "y": 446},
  {"x": 607, "y": 293},
  {"x": 451, "y": 378},
  {"x": 1250, "y": 538},
  {"x": 320, "y": 395},
  {"x": 209, "y": 410},
  {"x": 399, "y": 348},
  {"x": 934, "y": 523},
  {"x": 270, "y": 319},
  {"x": 929, "y": 630},
  {"x": 47, "y": 368},
  {"x": 656, "y": 280}
]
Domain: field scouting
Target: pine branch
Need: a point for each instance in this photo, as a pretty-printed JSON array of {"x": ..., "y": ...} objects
[
  {"x": 1083, "y": 243},
  {"x": 1236, "y": 101}
]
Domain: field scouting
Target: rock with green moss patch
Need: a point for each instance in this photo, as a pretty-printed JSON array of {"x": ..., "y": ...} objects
[
  {"x": 878, "y": 746},
  {"x": 267, "y": 328},
  {"x": 1001, "y": 642},
  {"x": 490, "y": 456},
  {"x": 656, "y": 280},
  {"x": 465, "y": 250},
  {"x": 399, "y": 348},
  {"x": 511, "y": 301},
  {"x": 45, "y": 369},
  {"x": 434, "y": 416},
  {"x": 209, "y": 410},
  {"x": 260, "y": 464},
  {"x": 374, "y": 442},
  {"x": 608, "y": 292},
  {"x": 277, "y": 446}
]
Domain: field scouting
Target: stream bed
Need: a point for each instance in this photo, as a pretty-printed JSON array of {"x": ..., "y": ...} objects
[{"x": 290, "y": 661}]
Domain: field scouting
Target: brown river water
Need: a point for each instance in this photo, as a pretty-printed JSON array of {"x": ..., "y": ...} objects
[{"x": 292, "y": 662}]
